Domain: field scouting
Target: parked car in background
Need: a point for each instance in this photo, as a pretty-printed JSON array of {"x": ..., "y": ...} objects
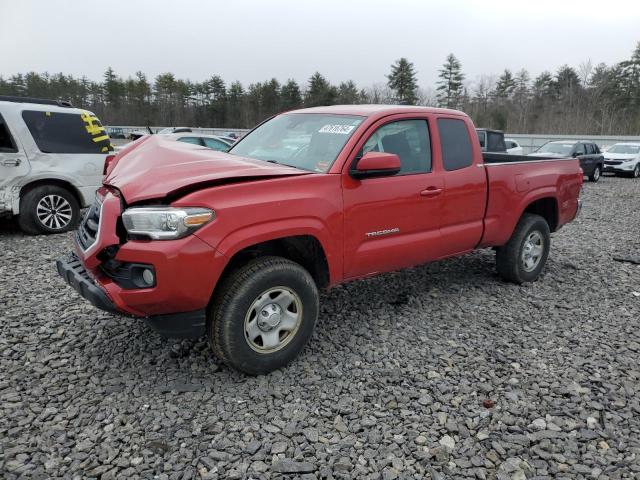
[
  {"x": 168, "y": 130},
  {"x": 210, "y": 141},
  {"x": 230, "y": 140},
  {"x": 623, "y": 158},
  {"x": 513, "y": 147},
  {"x": 591, "y": 160},
  {"x": 491, "y": 140},
  {"x": 115, "y": 132},
  {"x": 236, "y": 246},
  {"x": 136, "y": 134},
  {"x": 51, "y": 162}
]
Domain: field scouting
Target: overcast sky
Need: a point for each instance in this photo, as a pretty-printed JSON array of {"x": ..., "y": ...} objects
[{"x": 253, "y": 40}]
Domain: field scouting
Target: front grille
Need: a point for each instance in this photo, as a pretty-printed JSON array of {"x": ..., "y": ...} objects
[
  {"x": 88, "y": 229},
  {"x": 612, "y": 162}
]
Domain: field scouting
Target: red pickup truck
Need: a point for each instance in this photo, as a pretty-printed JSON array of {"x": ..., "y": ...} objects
[{"x": 237, "y": 245}]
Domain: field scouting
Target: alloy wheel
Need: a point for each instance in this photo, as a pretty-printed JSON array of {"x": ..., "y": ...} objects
[{"x": 54, "y": 212}]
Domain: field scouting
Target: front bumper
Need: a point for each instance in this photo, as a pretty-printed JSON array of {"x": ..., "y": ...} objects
[
  {"x": 71, "y": 269},
  {"x": 620, "y": 168},
  {"x": 102, "y": 270},
  {"x": 174, "y": 325}
]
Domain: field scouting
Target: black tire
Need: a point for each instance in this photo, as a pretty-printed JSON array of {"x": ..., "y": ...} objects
[
  {"x": 596, "y": 174},
  {"x": 510, "y": 257},
  {"x": 636, "y": 171},
  {"x": 233, "y": 305},
  {"x": 31, "y": 203}
]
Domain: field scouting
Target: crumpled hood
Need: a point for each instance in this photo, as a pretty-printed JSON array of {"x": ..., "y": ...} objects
[{"x": 155, "y": 168}]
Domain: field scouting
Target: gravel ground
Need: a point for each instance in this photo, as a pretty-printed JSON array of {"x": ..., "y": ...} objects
[{"x": 441, "y": 371}]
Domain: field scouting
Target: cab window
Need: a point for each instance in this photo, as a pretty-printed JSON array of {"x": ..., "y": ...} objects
[
  {"x": 455, "y": 144},
  {"x": 409, "y": 139}
]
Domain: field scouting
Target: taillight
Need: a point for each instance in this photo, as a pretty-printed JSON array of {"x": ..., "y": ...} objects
[{"x": 108, "y": 164}]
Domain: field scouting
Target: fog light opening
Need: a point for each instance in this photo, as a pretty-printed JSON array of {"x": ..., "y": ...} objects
[{"x": 148, "y": 277}]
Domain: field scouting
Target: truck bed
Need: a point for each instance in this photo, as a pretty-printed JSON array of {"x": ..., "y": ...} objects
[
  {"x": 493, "y": 157},
  {"x": 514, "y": 182}
]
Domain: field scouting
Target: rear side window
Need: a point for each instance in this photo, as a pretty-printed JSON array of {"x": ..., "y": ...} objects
[
  {"x": 56, "y": 132},
  {"x": 6, "y": 140},
  {"x": 455, "y": 144}
]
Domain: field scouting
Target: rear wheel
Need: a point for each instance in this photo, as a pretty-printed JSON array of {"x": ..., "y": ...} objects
[
  {"x": 595, "y": 175},
  {"x": 48, "y": 209},
  {"x": 263, "y": 315},
  {"x": 525, "y": 254}
]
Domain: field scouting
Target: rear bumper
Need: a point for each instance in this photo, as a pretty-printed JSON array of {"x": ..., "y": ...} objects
[{"x": 174, "y": 325}]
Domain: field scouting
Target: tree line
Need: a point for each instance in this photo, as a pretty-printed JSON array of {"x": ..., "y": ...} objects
[{"x": 586, "y": 99}]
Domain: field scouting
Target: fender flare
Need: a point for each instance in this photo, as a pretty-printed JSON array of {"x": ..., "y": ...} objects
[{"x": 254, "y": 234}]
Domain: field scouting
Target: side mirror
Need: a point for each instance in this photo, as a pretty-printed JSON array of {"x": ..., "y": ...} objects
[
  {"x": 575, "y": 154},
  {"x": 376, "y": 164}
]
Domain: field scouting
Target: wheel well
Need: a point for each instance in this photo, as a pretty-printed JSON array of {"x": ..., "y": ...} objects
[
  {"x": 547, "y": 208},
  {"x": 305, "y": 250},
  {"x": 52, "y": 181}
]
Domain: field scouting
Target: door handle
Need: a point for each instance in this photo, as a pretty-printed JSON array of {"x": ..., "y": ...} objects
[
  {"x": 431, "y": 192},
  {"x": 12, "y": 162}
]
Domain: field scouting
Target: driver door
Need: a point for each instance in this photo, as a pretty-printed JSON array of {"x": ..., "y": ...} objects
[{"x": 393, "y": 222}]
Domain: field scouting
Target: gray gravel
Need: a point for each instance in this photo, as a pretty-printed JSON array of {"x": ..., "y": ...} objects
[{"x": 439, "y": 372}]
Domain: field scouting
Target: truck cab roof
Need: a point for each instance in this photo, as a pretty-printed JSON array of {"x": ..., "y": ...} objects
[{"x": 374, "y": 110}]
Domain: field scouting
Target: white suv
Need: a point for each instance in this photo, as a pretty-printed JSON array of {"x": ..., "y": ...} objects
[{"x": 51, "y": 162}]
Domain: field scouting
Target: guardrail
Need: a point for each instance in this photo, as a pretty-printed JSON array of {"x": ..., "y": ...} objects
[
  {"x": 128, "y": 129},
  {"x": 529, "y": 142}
]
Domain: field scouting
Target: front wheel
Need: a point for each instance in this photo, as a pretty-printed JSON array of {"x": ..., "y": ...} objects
[
  {"x": 263, "y": 315},
  {"x": 525, "y": 254},
  {"x": 595, "y": 176},
  {"x": 636, "y": 171}
]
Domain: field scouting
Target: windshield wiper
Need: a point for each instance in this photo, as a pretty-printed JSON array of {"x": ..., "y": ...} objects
[{"x": 284, "y": 164}]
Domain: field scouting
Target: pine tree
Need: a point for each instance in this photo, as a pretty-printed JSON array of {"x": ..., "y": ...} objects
[
  {"x": 113, "y": 88},
  {"x": 270, "y": 97},
  {"x": 320, "y": 92},
  {"x": 506, "y": 85},
  {"x": 235, "y": 107},
  {"x": 543, "y": 85},
  {"x": 348, "y": 93},
  {"x": 290, "y": 96},
  {"x": 402, "y": 80},
  {"x": 450, "y": 85}
]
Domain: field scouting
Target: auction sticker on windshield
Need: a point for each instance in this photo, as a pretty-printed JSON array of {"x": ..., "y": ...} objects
[{"x": 340, "y": 129}]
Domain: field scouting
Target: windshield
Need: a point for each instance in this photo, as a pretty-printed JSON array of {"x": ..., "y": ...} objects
[
  {"x": 310, "y": 141},
  {"x": 561, "y": 148},
  {"x": 628, "y": 149}
]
